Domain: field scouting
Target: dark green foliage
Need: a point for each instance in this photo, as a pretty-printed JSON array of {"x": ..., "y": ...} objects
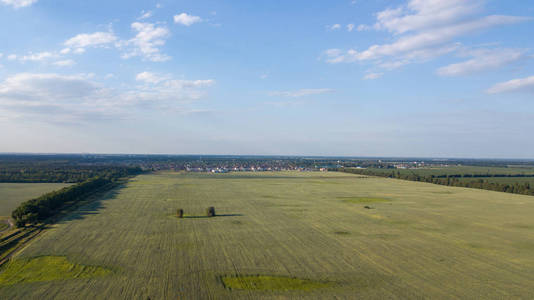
[
  {"x": 60, "y": 173},
  {"x": 210, "y": 212},
  {"x": 38, "y": 209},
  {"x": 478, "y": 181},
  {"x": 63, "y": 168}
]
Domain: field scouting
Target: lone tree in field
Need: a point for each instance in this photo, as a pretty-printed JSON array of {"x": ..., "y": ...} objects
[
  {"x": 180, "y": 213},
  {"x": 210, "y": 212}
]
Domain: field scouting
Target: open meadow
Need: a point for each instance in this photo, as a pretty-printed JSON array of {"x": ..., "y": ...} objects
[{"x": 283, "y": 235}]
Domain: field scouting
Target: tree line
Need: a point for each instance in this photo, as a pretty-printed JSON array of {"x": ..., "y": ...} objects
[
  {"x": 59, "y": 173},
  {"x": 454, "y": 180},
  {"x": 37, "y": 210}
]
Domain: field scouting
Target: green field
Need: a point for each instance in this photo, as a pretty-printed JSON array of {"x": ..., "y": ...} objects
[
  {"x": 284, "y": 235},
  {"x": 12, "y": 194}
]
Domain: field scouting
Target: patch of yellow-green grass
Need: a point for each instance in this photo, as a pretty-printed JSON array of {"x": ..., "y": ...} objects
[
  {"x": 271, "y": 283},
  {"x": 358, "y": 200},
  {"x": 47, "y": 268}
]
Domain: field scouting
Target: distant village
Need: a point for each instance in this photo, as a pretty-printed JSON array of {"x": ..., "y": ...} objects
[
  {"x": 241, "y": 165},
  {"x": 255, "y": 169},
  {"x": 274, "y": 165}
]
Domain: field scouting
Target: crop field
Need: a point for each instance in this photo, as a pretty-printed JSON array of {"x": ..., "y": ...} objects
[
  {"x": 283, "y": 235},
  {"x": 12, "y": 194}
]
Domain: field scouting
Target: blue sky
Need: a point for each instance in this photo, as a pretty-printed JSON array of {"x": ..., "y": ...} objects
[{"x": 434, "y": 78}]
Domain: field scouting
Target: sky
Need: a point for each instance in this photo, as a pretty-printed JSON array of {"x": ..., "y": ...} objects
[{"x": 411, "y": 78}]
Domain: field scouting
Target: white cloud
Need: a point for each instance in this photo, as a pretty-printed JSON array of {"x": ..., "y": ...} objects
[
  {"x": 37, "y": 56},
  {"x": 149, "y": 77},
  {"x": 422, "y": 30},
  {"x": 65, "y": 63},
  {"x": 515, "y": 85},
  {"x": 19, "y": 3},
  {"x": 426, "y": 14},
  {"x": 372, "y": 76},
  {"x": 191, "y": 83},
  {"x": 145, "y": 15},
  {"x": 147, "y": 42},
  {"x": 166, "y": 93},
  {"x": 411, "y": 45},
  {"x": 78, "y": 98},
  {"x": 288, "y": 103},
  {"x": 300, "y": 93},
  {"x": 350, "y": 27},
  {"x": 79, "y": 51},
  {"x": 65, "y": 51},
  {"x": 85, "y": 40},
  {"x": 363, "y": 27},
  {"x": 30, "y": 87},
  {"x": 392, "y": 65},
  {"x": 12, "y": 57},
  {"x": 334, "y": 27},
  {"x": 186, "y": 20},
  {"x": 55, "y": 98},
  {"x": 482, "y": 60}
]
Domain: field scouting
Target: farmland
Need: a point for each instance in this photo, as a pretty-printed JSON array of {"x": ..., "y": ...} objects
[
  {"x": 285, "y": 234},
  {"x": 12, "y": 194}
]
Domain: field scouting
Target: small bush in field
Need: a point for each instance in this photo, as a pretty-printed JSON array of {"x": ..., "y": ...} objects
[{"x": 210, "y": 212}]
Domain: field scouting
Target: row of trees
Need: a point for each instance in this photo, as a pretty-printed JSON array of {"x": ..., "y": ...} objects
[
  {"x": 37, "y": 210},
  {"x": 453, "y": 180}
]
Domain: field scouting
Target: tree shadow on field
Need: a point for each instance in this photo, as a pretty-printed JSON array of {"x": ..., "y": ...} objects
[
  {"x": 90, "y": 206},
  {"x": 216, "y": 216}
]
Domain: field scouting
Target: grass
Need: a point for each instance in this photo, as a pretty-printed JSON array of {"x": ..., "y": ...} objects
[
  {"x": 3, "y": 224},
  {"x": 271, "y": 283},
  {"x": 425, "y": 243},
  {"x": 12, "y": 194},
  {"x": 47, "y": 268},
  {"x": 358, "y": 200}
]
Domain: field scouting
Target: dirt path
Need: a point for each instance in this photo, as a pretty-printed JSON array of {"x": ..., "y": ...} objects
[
  {"x": 23, "y": 243},
  {"x": 9, "y": 224}
]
